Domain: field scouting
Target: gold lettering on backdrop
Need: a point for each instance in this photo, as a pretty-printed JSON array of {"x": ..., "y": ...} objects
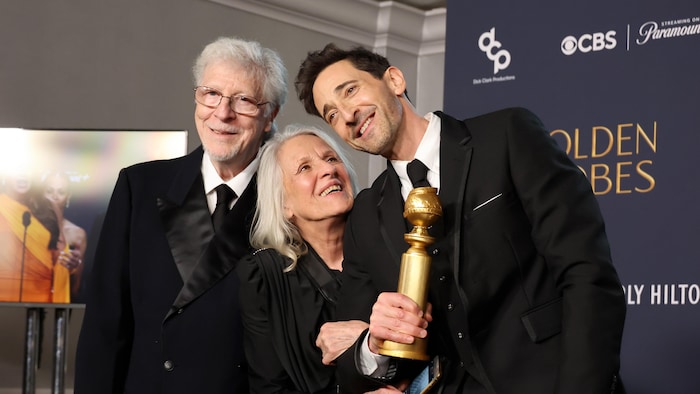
[
  {"x": 636, "y": 142},
  {"x": 621, "y": 138},
  {"x": 577, "y": 155},
  {"x": 622, "y": 174},
  {"x": 646, "y": 176},
  {"x": 597, "y": 176},
  {"x": 594, "y": 141},
  {"x": 642, "y": 133}
]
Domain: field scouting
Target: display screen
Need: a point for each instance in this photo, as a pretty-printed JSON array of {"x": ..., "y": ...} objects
[{"x": 55, "y": 189}]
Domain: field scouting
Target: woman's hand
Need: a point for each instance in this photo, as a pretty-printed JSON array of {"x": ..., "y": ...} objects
[
  {"x": 336, "y": 337},
  {"x": 70, "y": 259}
]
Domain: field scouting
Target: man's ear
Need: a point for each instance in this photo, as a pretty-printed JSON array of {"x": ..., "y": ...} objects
[
  {"x": 273, "y": 115},
  {"x": 395, "y": 79}
]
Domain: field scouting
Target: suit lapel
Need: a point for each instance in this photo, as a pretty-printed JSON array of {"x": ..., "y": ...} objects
[
  {"x": 392, "y": 225},
  {"x": 455, "y": 158},
  {"x": 223, "y": 251},
  {"x": 185, "y": 215}
]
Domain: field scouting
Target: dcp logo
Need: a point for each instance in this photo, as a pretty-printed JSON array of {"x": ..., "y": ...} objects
[
  {"x": 588, "y": 42},
  {"x": 487, "y": 43}
]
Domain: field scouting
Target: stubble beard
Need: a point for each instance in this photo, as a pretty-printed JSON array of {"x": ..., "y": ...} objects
[
  {"x": 228, "y": 155},
  {"x": 382, "y": 143}
]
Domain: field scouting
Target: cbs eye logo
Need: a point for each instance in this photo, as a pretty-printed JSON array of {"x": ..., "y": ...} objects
[
  {"x": 487, "y": 43},
  {"x": 588, "y": 42}
]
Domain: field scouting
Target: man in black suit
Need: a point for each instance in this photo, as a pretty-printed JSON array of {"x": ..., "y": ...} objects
[
  {"x": 162, "y": 307},
  {"x": 524, "y": 295}
]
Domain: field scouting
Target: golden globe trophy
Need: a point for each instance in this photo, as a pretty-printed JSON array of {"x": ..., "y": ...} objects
[{"x": 422, "y": 209}]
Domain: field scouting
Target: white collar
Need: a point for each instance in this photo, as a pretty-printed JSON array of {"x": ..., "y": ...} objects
[
  {"x": 428, "y": 152},
  {"x": 238, "y": 183}
]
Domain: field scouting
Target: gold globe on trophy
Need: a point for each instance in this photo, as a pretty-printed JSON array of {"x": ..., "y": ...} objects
[{"x": 422, "y": 209}]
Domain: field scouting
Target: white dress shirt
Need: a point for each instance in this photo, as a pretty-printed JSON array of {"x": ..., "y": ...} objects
[{"x": 238, "y": 183}]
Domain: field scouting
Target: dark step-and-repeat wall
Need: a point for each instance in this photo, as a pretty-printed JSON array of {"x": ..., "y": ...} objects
[{"x": 618, "y": 85}]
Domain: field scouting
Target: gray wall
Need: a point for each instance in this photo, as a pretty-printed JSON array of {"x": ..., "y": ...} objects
[
  {"x": 121, "y": 64},
  {"x": 96, "y": 64}
]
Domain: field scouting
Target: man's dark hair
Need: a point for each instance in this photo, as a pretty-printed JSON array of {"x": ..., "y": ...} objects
[{"x": 362, "y": 58}]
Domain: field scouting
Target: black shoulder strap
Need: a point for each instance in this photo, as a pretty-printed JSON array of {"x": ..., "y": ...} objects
[{"x": 318, "y": 273}]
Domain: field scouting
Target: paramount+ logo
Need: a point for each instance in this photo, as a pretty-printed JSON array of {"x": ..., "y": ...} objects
[{"x": 589, "y": 43}]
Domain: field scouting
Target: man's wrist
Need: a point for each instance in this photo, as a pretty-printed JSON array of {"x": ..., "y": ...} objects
[{"x": 373, "y": 364}]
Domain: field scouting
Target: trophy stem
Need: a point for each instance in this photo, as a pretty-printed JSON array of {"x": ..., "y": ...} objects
[{"x": 415, "y": 266}]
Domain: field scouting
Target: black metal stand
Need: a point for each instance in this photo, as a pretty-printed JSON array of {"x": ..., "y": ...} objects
[
  {"x": 59, "y": 350},
  {"x": 32, "y": 340},
  {"x": 31, "y": 351}
]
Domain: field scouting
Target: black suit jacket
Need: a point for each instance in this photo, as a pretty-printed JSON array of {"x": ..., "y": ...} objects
[
  {"x": 525, "y": 297},
  {"x": 146, "y": 329}
]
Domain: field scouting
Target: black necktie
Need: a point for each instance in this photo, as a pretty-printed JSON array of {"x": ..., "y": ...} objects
[
  {"x": 224, "y": 196},
  {"x": 418, "y": 173}
]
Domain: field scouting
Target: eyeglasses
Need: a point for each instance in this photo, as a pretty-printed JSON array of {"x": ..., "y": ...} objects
[{"x": 239, "y": 103}]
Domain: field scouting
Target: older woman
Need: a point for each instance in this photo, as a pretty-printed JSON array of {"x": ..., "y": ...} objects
[{"x": 288, "y": 286}]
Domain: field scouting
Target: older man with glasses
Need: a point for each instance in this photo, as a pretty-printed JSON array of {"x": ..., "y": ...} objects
[{"x": 162, "y": 308}]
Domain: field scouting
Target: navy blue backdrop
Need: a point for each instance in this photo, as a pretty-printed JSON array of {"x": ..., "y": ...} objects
[{"x": 618, "y": 85}]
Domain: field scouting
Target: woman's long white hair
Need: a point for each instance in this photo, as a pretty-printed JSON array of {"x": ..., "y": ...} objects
[{"x": 271, "y": 229}]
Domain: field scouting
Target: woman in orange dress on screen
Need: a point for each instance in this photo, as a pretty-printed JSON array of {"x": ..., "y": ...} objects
[
  {"x": 29, "y": 244},
  {"x": 56, "y": 188}
]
